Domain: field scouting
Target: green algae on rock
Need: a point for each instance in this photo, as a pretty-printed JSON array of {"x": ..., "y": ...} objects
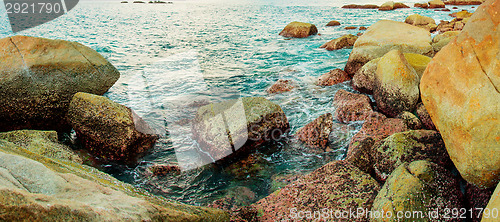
[
  {"x": 109, "y": 130},
  {"x": 38, "y": 78},
  {"x": 44, "y": 143},
  {"x": 34, "y": 187}
]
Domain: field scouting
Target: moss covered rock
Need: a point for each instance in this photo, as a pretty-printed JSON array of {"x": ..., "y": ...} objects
[
  {"x": 420, "y": 187},
  {"x": 299, "y": 30},
  {"x": 418, "y": 62},
  {"x": 44, "y": 143},
  {"x": 36, "y": 188},
  {"x": 38, "y": 78},
  {"x": 108, "y": 130}
]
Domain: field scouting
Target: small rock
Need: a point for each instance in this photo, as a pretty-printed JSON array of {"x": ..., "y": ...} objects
[
  {"x": 351, "y": 106},
  {"x": 418, "y": 62},
  {"x": 362, "y": 28},
  {"x": 333, "y": 77},
  {"x": 354, "y": 6},
  {"x": 316, "y": 133},
  {"x": 461, "y": 14},
  {"x": 281, "y": 86},
  {"x": 411, "y": 120},
  {"x": 164, "y": 169},
  {"x": 350, "y": 27},
  {"x": 299, "y": 30},
  {"x": 333, "y": 23},
  {"x": 423, "y": 115},
  {"x": 343, "y": 42}
]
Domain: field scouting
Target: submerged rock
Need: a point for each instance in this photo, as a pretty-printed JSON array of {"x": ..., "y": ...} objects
[
  {"x": 108, "y": 130},
  {"x": 281, "y": 86},
  {"x": 316, "y": 133},
  {"x": 164, "y": 169},
  {"x": 37, "y": 188},
  {"x": 420, "y": 186},
  {"x": 385, "y": 36},
  {"x": 339, "y": 43},
  {"x": 337, "y": 186},
  {"x": 396, "y": 84},
  {"x": 333, "y": 23},
  {"x": 460, "y": 90},
  {"x": 333, "y": 77},
  {"x": 235, "y": 127},
  {"x": 40, "y": 76},
  {"x": 44, "y": 143},
  {"x": 299, "y": 30},
  {"x": 351, "y": 106}
]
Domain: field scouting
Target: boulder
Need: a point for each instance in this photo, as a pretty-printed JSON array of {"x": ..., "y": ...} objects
[
  {"x": 423, "y": 115},
  {"x": 411, "y": 120},
  {"x": 45, "y": 143},
  {"x": 490, "y": 214},
  {"x": 333, "y": 23},
  {"x": 378, "y": 127},
  {"x": 281, "y": 86},
  {"x": 359, "y": 154},
  {"x": 333, "y": 77},
  {"x": 408, "y": 146},
  {"x": 454, "y": 25},
  {"x": 385, "y": 36},
  {"x": 445, "y": 35},
  {"x": 398, "y": 5},
  {"x": 235, "y": 127},
  {"x": 424, "y": 22},
  {"x": 40, "y": 76},
  {"x": 396, "y": 84},
  {"x": 108, "y": 130},
  {"x": 464, "y": 2},
  {"x": 316, "y": 133},
  {"x": 461, "y": 14},
  {"x": 351, "y": 106},
  {"x": 460, "y": 90},
  {"x": 477, "y": 198},
  {"x": 299, "y": 30},
  {"x": 387, "y": 6},
  {"x": 417, "y": 62},
  {"x": 38, "y": 188},
  {"x": 421, "y": 5},
  {"x": 337, "y": 186},
  {"x": 340, "y": 136},
  {"x": 364, "y": 78},
  {"x": 420, "y": 187},
  {"x": 354, "y": 6},
  {"x": 362, "y": 28},
  {"x": 339, "y": 43},
  {"x": 436, "y": 4}
]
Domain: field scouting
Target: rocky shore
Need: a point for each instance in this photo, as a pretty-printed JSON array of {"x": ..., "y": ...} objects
[{"x": 430, "y": 134}]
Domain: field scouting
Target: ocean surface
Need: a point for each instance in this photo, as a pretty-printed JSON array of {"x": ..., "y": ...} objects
[{"x": 175, "y": 57}]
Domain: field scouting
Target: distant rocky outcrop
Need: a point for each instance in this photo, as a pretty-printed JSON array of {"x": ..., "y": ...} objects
[
  {"x": 40, "y": 76},
  {"x": 354, "y": 6},
  {"x": 390, "y": 5},
  {"x": 339, "y": 43},
  {"x": 299, "y": 30},
  {"x": 436, "y": 4},
  {"x": 460, "y": 90},
  {"x": 464, "y": 2}
]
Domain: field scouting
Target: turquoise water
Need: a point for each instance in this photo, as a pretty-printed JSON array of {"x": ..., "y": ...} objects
[{"x": 172, "y": 55}]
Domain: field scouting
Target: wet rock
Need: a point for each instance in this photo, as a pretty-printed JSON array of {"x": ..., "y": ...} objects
[
  {"x": 477, "y": 198},
  {"x": 337, "y": 186},
  {"x": 333, "y": 77},
  {"x": 281, "y": 86},
  {"x": 464, "y": 2},
  {"x": 378, "y": 126},
  {"x": 316, "y": 133},
  {"x": 493, "y": 206},
  {"x": 339, "y": 43},
  {"x": 340, "y": 136},
  {"x": 385, "y": 36},
  {"x": 396, "y": 84},
  {"x": 299, "y": 30},
  {"x": 421, "y": 21},
  {"x": 354, "y": 6},
  {"x": 108, "y": 130},
  {"x": 351, "y": 106},
  {"x": 37, "y": 188},
  {"x": 420, "y": 186},
  {"x": 423, "y": 115},
  {"x": 45, "y": 143},
  {"x": 40, "y": 76},
  {"x": 333, "y": 23},
  {"x": 364, "y": 78},
  {"x": 164, "y": 169},
  {"x": 252, "y": 166},
  {"x": 436, "y": 4},
  {"x": 235, "y": 127},
  {"x": 411, "y": 120},
  {"x": 408, "y": 146},
  {"x": 460, "y": 90}
]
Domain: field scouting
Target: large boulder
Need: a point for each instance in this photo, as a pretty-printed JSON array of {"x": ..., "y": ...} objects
[
  {"x": 38, "y": 78},
  {"x": 344, "y": 41},
  {"x": 37, "y": 188},
  {"x": 235, "y": 127},
  {"x": 108, "y": 130},
  {"x": 420, "y": 188},
  {"x": 333, "y": 77},
  {"x": 418, "y": 62},
  {"x": 385, "y": 36},
  {"x": 316, "y": 133},
  {"x": 364, "y": 78},
  {"x": 351, "y": 106},
  {"x": 337, "y": 186},
  {"x": 490, "y": 214},
  {"x": 408, "y": 146},
  {"x": 460, "y": 90},
  {"x": 299, "y": 30},
  {"x": 396, "y": 84},
  {"x": 436, "y": 4},
  {"x": 424, "y": 22},
  {"x": 44, "y": 143}
]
